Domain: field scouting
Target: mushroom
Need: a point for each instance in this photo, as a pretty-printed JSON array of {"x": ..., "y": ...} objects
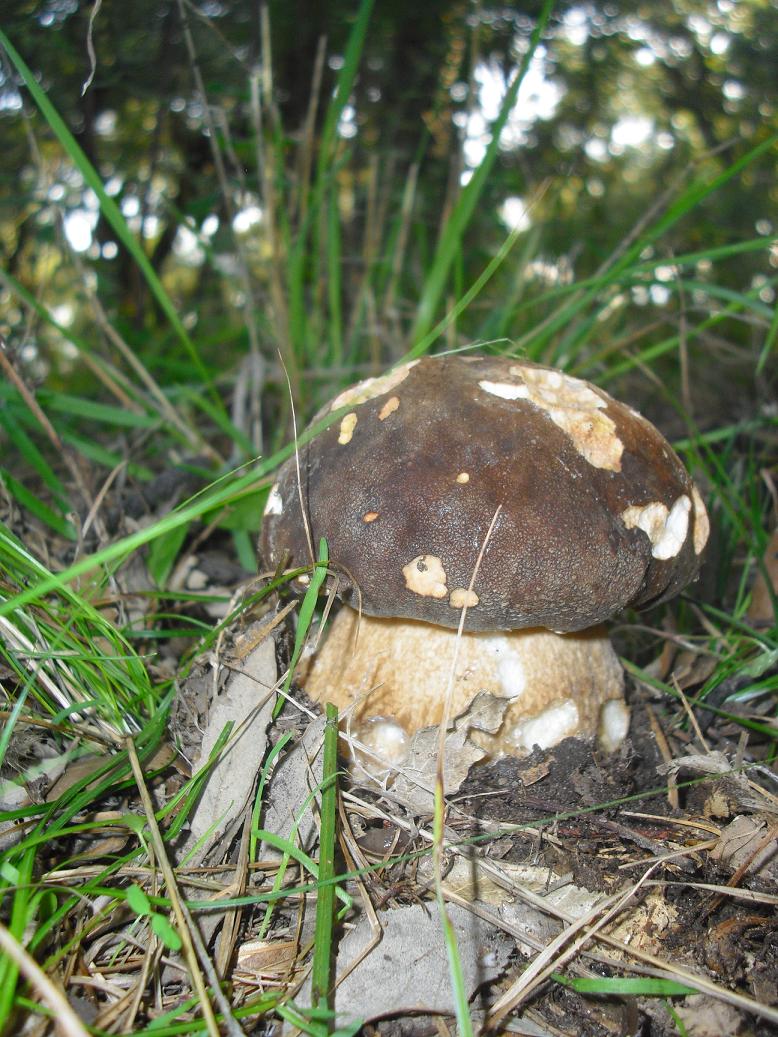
[{"x": 594, "y": 513}]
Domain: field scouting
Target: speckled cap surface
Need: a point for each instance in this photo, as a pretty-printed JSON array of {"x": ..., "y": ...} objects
[{"x": 597, "y": 512}]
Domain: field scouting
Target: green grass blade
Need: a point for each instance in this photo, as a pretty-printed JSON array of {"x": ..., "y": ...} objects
[
  {"x": 617, "y": 986},
  {"x": 343, "y": 89},
  {"x": 467, "y": 297},
  {"x": 94, "y": 451},
  {"x": 451, "y": 238},
  {"x": 267, "y": 768},
  {"x": 318, "y": 576},
  {"x": 636, "y": 272},
  {"x": 14, "y": 429},
  {"x": 108, "y": 207},
  {"x": 653, "y": 352},
  {"x": 325, "y": 902},
  {"x": 449, "y": 935},
  {"x": 122, "y": 549},
  {"x": 8, "y": 725},
  {"x": 163, "y": 553},
  {"x": 310, "y": 865},
  {"x": 769, "y": 345},
  {"x": 17, "y": 924},
  {"x": 220, "y": 419},
  {"x": 36, "y": 507},
  {"x": 90, "y": 410},
  {"x": 299, "y": 245},
  {"x": 689, "y": 199},
  {"x": 334, "y": 281}
]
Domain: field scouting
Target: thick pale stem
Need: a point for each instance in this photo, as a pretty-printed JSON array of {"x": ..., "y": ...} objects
[{"x": 556, "y": 685}]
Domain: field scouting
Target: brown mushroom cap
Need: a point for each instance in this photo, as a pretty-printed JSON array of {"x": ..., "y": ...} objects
[{"x": 597, "y": 511}]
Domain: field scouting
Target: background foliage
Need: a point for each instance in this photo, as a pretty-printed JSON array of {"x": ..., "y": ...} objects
[{"x": 623, "y": 108}]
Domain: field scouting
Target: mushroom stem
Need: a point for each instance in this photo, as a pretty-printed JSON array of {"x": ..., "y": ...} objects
[{"x": 554, "y": 685}]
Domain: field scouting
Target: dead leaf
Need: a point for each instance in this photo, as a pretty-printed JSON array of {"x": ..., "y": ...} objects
[
  {"x": 265, "y": 958},
  {"x": 485, "y": 713},
  {"x": 740, "y": 841},
  {"x": 760, "y": 611},
  {"x": 718, "y": 804},
  {"x": 415, "y": 782},
  {"x": 532, "y": 775},
  {"x": 247, "y": 702},
  {"x": 704, "y": 1016},
  {"x": 692, "y": 669},
  {"x": 405, "y": 974},
  {"x": 289, "y": 798},
  {"x": 735, "y": 785},
  {"x": 12, "y": 796},
  {"x": 82, "y": 767}
]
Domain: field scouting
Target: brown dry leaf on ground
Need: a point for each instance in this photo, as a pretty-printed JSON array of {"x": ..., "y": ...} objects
[
  {"x": 761, "y": 611},
  {"x": 705, "y": 1017},
  {"x": 735, "y": 791},
  {"x": 414, "y": 785},
  {"x": 291, "y": 811},
  {"x": 750, "y": 844},
  {"x": 245, "y": 701},
  {"x": 408, "y": 972}
]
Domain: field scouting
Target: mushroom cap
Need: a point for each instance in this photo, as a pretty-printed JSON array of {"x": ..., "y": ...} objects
[{"x": 597, "y": 512}]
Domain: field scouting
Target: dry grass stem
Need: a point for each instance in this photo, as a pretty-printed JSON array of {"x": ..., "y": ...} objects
[
  {"x": 186, "y": 926},
  {"x": 49, "y": 992}
]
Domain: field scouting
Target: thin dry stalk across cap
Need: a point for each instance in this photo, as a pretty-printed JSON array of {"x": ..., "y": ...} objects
[{"x": 597, "y": 513}]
